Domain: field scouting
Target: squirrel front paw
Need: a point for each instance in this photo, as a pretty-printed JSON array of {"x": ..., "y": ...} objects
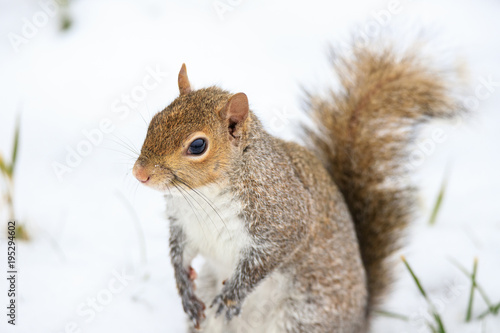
[
  {"x": 227, "y": 301},
  {"x": 192, "y": 305},
  {"x": 194, "y": 308}
]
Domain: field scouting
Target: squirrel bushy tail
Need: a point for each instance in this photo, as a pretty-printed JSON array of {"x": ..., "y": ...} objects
[{"x": 363, "y": 137}]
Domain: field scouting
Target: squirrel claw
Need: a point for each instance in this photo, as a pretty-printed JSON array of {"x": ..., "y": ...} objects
[
  {"x": 231, "y": 307},
  {"x": 194, "y": 308}
]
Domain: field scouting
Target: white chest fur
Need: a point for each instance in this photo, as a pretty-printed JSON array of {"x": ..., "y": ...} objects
[
  {"x": 212, "y": 226},
  {"x": 210, "y": 220}
]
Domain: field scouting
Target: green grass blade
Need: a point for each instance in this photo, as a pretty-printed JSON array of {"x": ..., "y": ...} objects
[
  {"x": 437, "y": 204},
  {"x": 3, "y": 166},
  {"x": 439, "y": 322},
  {"x": 66, "y": 22},
  {"x": 437, "y": 318},
  {"x": 471, "y": 295},
  {"x": 432, "y": 328},
  {"x": 493, "y": 310},
  {"x": 417, "y": 281},
  {"x": 459, "y": 266},
  {"x": 390, "y": 314},
  {"x": 15, "y": 148},
  {"x": 477, "y": 286},
  {"x": 484, "y": 296}
]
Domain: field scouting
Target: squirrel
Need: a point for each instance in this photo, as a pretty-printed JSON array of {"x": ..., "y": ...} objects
[{"x": 295, "y": 238}]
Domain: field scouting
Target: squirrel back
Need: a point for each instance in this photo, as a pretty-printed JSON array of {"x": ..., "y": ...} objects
[{"x": 363, "y": 139}]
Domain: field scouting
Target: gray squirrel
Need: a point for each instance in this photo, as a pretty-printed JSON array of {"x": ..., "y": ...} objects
[{"x": 295, "y": 239}]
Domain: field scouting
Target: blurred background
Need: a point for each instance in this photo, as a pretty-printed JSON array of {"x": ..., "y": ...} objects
[{"x": 80, "y": 80}]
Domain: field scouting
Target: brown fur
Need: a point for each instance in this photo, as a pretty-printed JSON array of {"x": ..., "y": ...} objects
[{"x": 365, "y": 133}]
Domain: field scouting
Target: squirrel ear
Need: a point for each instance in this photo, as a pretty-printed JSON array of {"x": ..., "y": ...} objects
[
  {"x": 184, "y": 85},
  {"x": 235, "y": 112}
]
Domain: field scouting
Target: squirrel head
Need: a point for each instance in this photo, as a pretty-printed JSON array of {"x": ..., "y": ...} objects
[{"x": 193, "y": 141}]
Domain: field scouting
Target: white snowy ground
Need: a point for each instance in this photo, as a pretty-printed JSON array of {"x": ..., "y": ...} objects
[{"x": 87, "y": 227}]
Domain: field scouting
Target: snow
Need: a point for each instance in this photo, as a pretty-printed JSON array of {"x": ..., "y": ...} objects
[{"x": 87, "y": 225}]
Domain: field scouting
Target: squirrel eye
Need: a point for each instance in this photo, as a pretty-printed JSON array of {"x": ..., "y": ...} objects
[{"x": 197, "y": 147}]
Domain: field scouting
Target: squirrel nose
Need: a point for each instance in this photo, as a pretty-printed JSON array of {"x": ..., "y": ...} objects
[{"x": 141, "y": 173}]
